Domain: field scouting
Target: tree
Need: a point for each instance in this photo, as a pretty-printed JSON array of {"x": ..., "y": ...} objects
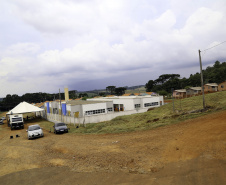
[
  {"x": 163, "y": 93},
  {"x": 102, "y": 94},
  {"x": 110, "y": 89},
  {"x": 83, "y": 95},
  {"x": 195, "y": 80},
  {"x": 120, "y": 91},
  {"x": 149, "y": 86},
  {"x": 165, "y": 77}
]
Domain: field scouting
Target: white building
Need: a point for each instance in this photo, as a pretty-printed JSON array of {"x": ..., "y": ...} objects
[
  {"x": 126, "y": 103},
  {"x": 105, "y": 107}
]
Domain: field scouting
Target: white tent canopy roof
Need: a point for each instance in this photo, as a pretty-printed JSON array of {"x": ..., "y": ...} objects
[{"x": 24, "y": 107}]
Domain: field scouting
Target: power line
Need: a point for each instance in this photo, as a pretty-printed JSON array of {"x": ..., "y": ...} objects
[{"x": 214, "y": 46}]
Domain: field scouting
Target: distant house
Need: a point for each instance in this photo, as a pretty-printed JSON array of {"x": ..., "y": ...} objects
[
  {"x": 222, "y": 86},
  {"x": 211, "y": 87},
  {"x": 180, "y": 93},
  {"x": 193, "y": 91}
]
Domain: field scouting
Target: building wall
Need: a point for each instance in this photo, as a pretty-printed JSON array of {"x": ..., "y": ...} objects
[
  {"x": 75, "y": 108},
  {"x": 222, "y": 86},
  {"x": 128, "y": 104},
  {"x": 109, "y": 104},
  {"x": 179, "y": 94},
  {"x": 208, "y": 88},
  {"x": 96, "y": 106},
  {"x": 193, "y": 92},
  {"x": 152, "y": 102},
  {"x": 91, "y": 119}
]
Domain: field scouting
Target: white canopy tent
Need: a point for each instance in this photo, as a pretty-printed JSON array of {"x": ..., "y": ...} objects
[{"x": 23, "y": 108}]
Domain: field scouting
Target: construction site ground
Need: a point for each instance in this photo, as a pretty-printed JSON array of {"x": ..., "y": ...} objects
[{"x": 188, "y": 153}]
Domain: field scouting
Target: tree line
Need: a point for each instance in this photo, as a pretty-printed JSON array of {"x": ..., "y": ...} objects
[
  {"x": 166, "y": 82},
  {"x": 10, "y": 101}
]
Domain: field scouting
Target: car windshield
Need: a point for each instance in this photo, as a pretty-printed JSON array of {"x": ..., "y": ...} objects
[
  {"x": 35, "y": 127},
  {"x": 60, "y": 124}
]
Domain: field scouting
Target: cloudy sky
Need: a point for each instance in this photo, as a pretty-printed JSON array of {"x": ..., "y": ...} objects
[{"x": 91, "y": 44}]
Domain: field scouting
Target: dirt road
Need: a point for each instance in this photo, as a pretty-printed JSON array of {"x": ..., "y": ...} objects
[{"x": 192, "y": 152}]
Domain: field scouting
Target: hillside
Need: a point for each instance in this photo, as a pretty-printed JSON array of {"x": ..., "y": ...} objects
[{"x": 185, "y": 109}]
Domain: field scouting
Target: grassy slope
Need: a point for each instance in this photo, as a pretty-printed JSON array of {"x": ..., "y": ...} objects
[{"x": 158, "y": 117}]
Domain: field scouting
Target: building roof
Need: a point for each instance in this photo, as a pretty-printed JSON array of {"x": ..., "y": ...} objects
[
  {"x": 139, "y": 94},
  {"x": 212, "y": 84},
  {"x": 24, "y": 107},
  {"x": 181, "y": 90},
  {"x": 39, "y": 104},
  {"x": 196, "y": 88},
  {"x": 82, "y": 102},
  {"x": 110, "y": 95},
  {"x": 127, "y": 94}
]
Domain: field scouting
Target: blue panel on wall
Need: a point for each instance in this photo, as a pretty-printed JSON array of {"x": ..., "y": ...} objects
[
  {"x": 64, "y": 109},
  {"x": 47, "y": 105}
]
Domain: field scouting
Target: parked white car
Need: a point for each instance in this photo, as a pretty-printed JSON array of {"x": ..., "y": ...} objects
[{"x": 34, "y": 131}]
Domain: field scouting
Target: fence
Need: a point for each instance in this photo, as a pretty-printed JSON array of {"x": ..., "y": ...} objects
[{"x": 90, "y": 118}]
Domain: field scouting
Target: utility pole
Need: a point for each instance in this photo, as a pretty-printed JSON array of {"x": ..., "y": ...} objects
[
  {"x": 173, "y": 100},
  {"x": 60, "y": 105},
  {"x": 200, "y": 61}
]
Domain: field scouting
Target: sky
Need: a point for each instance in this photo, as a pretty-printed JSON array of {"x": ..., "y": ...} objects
[{"x": 91, "y": 44}]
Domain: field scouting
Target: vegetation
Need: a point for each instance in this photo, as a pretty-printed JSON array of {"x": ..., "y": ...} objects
[
  {"x": 167, "y": 82},
  {"x": 113, "y": 90}
]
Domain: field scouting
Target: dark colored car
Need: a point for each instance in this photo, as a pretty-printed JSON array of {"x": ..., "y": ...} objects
[
  {"x": 1, "y": 122},
  {"x": 60, "y": 128}
]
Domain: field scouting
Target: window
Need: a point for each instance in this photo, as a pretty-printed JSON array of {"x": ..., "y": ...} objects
[
  {"x": 55, "y": 111},
  {"x": 222, "y": 86},
  {"x": 137, "y": 106},
  {"x": 17, "y": 119},
  {"x": 91, "y": 112},
  {"x": 151, "y": 104},
  {"x": 110, "y": 109}
]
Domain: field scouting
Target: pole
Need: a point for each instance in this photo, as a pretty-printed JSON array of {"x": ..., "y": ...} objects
[
  {"x": 60, "y": 106},
  {"x": 203, "y": 96},
  {"x": 173, "y": 100}
]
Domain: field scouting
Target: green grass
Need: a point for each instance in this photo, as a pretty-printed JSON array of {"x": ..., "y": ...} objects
[{"x": 158, "y": 117}]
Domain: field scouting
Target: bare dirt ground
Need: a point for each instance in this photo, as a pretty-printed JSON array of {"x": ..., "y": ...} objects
[{"x": 192, "y": 152}]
